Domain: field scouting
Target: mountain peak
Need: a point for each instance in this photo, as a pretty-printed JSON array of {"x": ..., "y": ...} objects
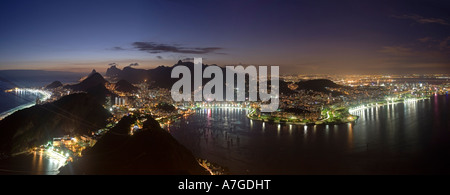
[
  {"x": 54, "y": 84},
  {"x": 113, "y": 71},
  {"x": 92, "y": 80},
  {"x": 95, "y": 78},
  {"x": 92, "y": 73}
]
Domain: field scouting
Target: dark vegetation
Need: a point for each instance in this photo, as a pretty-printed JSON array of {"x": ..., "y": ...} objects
[
  {"x": 75, "y": 114},
  {"x": 151, "y": 150}
]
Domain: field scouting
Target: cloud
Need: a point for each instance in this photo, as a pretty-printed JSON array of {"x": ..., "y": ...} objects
[
  {"x": 133, "y": 64},
  {"x": 422, "y": 20},
  {"x": 416, "y": 57},
  {"x": 152, "y": 47},
  {"x": 159, "y": 57},
  {"x": 397, "y": 51},
  {"x": 113, "y": 64},
  {"x": 188, "y": 59},
  {"x": 118, "y": 48},
  {"x": 424, "y": 39}
]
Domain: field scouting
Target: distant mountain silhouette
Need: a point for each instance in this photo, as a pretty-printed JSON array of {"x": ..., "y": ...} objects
[
  {"x": 53, "y": 85},
  {"x": 92, "y": 73},
  {"x": 158, "y": 77},
  {"x": 75, "y": 114},
  {"x": 128, "y": 73},
  {"x": 161, "y": 77},
  {"x": 319, "y": 85},
  {"x": 113, "y": 72},
  {"x": 152, "y": 150},
  {"x": 92, "y": 80},
  {"x": 125, "y": 86}
]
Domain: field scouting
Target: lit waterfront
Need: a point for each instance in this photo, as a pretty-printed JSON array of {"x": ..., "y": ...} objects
[
  {"x": 19, "y": 92},
  {"x": 395, "y": 138},
  {"x": 34, "y": 163}
]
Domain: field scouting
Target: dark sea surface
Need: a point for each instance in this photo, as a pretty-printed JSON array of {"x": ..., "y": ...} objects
[
  {"x": 10, "y": 102},
  {"x": 33, "y": 163},
  {"x": 404, "y": 138}
]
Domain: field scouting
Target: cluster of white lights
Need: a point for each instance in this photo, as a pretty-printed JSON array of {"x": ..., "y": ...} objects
[
  {"x": 357, "y": 108},
  {"x": 411, "y": 100},
  {"x": 46, "y": 94}
]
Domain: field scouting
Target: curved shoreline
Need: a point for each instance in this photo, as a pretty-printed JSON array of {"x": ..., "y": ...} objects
[
  {"x": 319, "y": 122},
  {"x": 17, "y": 108},
  {"x": 350, "y": 112},
  {"x": 44, "y": 96},
  {"x": 372, "y": 105},
  {"x": 303, "y": 123}
]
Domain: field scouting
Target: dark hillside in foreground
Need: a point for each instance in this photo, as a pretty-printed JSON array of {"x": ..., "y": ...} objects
[
  {"x": 150, "y": 151},
  {"x": 75, "y": 114}
]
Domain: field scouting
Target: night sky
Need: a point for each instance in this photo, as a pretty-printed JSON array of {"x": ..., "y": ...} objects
[{"x": 300, "y": 36}]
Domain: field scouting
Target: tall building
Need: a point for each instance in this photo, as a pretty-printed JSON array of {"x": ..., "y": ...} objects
[{"x": 119, "y": 101}]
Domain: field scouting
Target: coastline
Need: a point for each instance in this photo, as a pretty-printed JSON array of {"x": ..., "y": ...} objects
[
  {"x": 44, "y": 95},
  {"x": 376, "y": 104},
  {"x": 320, "y": 122},
  {"x": 11, "y": 111},
  {"x": 350, "y": 117}
]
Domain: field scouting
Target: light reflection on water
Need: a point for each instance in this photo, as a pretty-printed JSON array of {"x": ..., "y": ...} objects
[
  {"x": 34, "y": 163},
  {"x": 386, "y": 139},
  {"x": 413, "y": 137}
]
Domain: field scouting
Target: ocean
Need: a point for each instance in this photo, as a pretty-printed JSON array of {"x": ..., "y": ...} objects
[
  {"x": 405, "y": 138},
  {"x": 12, "y": 101}
]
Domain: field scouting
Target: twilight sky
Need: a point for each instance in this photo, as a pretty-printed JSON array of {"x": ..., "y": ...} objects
[{"x": 382, "y": 36}]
